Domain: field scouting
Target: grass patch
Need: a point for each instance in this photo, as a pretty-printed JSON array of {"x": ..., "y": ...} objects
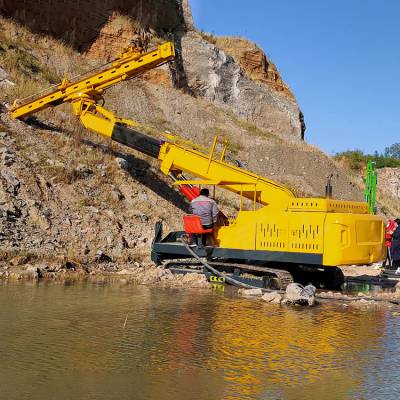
[
  {"x": 208, "y": 37},
  {"x": 15, "y": 59},
  {"x": 223, "y": 136},
  {"x": 256, "y": 131}
]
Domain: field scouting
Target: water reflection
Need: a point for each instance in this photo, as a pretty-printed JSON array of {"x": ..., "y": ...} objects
[
  {"x": 284, "y": 350},
  {"x": 91, "y": 341}
]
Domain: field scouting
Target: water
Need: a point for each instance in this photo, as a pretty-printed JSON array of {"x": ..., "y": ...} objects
[{"x": 105, "y": 341}]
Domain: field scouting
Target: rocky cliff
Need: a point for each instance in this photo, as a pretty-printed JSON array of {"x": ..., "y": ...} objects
[
  {"x": 239, "y": 79},
  {"x": 389, "y": 180},
  {"x": 389, "y": 189},
  {"x": 79, "y": 23}
]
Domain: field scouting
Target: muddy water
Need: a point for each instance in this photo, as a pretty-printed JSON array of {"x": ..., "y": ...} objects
[{"x": 96, "y": 341}]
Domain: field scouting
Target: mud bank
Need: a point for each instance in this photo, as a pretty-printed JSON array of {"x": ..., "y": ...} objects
[{"x": 133, "y": 273}]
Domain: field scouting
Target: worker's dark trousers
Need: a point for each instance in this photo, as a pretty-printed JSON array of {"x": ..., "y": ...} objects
[
  {"x": 200, "y": 238},
  {"x": 204, "y": 237},
  {"x": 389, "y": 262}
]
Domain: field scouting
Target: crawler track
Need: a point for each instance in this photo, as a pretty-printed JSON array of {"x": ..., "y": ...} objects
[
  {"x": 283, "y": 277},
  {"x": 265, "y": 277}
]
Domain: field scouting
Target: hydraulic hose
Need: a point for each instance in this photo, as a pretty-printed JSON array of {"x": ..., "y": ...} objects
[{"x": 227, "y": 278}]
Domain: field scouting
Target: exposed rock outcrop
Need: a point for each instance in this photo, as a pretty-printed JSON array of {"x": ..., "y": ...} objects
[
  {"x": 254, "y": 62},
  {"x": 214, "y": 74},
  {"x": 79, "y": 22},
  {"x": 389, "y": 180}
]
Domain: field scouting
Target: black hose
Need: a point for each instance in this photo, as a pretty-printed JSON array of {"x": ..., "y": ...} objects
[{"x": 227, "y": 278}]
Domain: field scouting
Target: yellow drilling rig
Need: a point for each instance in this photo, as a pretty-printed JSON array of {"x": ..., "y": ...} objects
[{"x": 279, "y": 238}]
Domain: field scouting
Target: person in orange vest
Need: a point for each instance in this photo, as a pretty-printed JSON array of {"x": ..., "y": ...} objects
[{"x": 390, "y": 229}]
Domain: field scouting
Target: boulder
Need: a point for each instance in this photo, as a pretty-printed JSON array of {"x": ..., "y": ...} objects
[
  {"x": 4, "y": 81},
  {"x": 272, "y": 297},
  {"x": 122, "y": 163},
  {"x": 12, "y": 182},
  {"x": 33, "y": 272},
  {"x": 298, "y": 294},
  {"x": 117, "y": 195},
  {"x": 250, "y": 292}
]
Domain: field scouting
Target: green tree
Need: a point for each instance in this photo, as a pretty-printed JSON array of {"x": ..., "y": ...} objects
[{"x": 393, "y": 151}]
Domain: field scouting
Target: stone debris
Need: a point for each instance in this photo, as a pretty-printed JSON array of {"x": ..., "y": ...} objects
[
  {"x": 13, "y": 184},
  {"x": 122, "y": 163},
  {"x": 389, "y": 179},
  {"x": 83, "y": 171},
  {"x": 250, "y": 292},
  {"x": 151, "y": 275},
  {"x": 33, "y": 272},
  {"x": 126, "y": 272},
  {"x": 7, "y": 158},
  {"x": 364, "y": 303},
  {"x": 18, "y": 260},
  {"x": 396, "y": 314},
  {"x": 134, "y": 273},
  {"x": 117, "y": 195},
  {"x": 55, "y": 163},
  {"x": 333, "y": 294},
  {"x": 194, "y": 280},
  {"x": 272, "y": 297},
  {"x": 299, "y": 294},
  {"x": 4, "y": 81},
  {"x": 102, "y": 257}
]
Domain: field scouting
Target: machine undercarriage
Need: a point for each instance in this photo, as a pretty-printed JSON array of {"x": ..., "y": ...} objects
[{"x": 264, "y": 274}]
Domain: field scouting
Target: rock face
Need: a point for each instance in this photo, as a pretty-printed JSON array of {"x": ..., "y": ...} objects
[
  {"x": 79, "y": 22},
  {"x": 254, "y": 62},
  {"x": 214, "y": 74},
  {"x": 83, "y": 207},
  {"x": 230, "y": 73},
  {"x": 389, "y": 181}
]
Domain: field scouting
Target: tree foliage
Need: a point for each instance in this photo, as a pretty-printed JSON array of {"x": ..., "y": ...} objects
[
  {"x": 357, "y": 158},
  {"x": 393, "y": 151}
]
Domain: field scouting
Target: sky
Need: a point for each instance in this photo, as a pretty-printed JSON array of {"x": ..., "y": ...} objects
[{"x": 341, "y": 58}]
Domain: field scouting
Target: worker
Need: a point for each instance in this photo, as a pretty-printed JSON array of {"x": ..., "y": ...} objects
[
  {"x": 390, "y": 228},
  {"x": 206, "y": 209},
  {"x": 395, "y": 248}
]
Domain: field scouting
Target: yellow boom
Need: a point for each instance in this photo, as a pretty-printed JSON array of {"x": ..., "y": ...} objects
[{"x": 85, "y": 93}]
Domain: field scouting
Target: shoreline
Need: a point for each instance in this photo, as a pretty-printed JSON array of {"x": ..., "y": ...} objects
[
  {"x": 149, "y": 275},
  {"x": 134, "y": 273}
]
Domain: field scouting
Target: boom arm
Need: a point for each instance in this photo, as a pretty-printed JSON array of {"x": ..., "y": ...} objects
[
  {"x": 176, "y": 156},
  {"x": 180, "y": 157}
]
